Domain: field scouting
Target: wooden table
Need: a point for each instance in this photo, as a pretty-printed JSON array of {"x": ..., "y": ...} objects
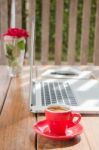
[{"x": 16, "y": 121}]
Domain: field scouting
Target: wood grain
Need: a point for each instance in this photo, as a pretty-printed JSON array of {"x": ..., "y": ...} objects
[
  {"x": 96, "y": 42},
  {"x": 85, "y": 31},
  {"x": 45, "y": 31},
  {"x": 72, "y": 31},
  {"x": 91, "y": 125},
  {"x": 58, "y": 31},
  {"x": 4, "y": 85},
  {"x": 18, "y": 13},
  {"x": 31, "y": 7},
  {"x": 16, "y": 121},
  {"x": 3, "y": 27}
]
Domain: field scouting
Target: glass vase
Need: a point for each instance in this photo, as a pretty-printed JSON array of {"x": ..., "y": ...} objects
[{"x": 14, "y": 51}]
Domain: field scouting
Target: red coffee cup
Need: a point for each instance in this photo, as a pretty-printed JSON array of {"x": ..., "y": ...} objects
[{"x": 60, "y": 117}]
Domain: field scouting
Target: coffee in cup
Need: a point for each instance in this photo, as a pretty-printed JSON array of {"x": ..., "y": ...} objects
[
  {"x": 57, "y": 108},
  {"x": 60, "y": 117}
]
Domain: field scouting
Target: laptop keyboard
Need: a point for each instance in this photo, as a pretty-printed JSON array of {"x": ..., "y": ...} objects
[{"x": 57, "y": 93}]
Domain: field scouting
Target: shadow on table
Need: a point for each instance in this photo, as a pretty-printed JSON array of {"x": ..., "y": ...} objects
[{"x": 48, "y": 143}]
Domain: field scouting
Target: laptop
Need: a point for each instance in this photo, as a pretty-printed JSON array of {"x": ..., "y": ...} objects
[{"x": 81, "y": 95}]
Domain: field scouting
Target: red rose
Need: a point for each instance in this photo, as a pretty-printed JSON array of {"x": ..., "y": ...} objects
[{"x": 16, "y": 32}]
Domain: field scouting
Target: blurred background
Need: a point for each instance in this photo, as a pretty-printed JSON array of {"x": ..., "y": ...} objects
[{"x": 23, "y": 9}]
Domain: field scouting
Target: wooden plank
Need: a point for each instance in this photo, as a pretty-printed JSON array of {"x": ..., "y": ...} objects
[
  {"x": 92, "y": 133},
  {"x": 85, "y": 31},
  {"x": 18, "y": 15},
  {"x": 96, "y": 42},
  {"x": 45, "y": 31},
  {"x": 4, "y": 85},
  {"x": 72, "y": 31},
  {"x": 9, "y": 12},
  {"x": 79, "y": 142},
  {"x": 3, "y": 27},
  {"x": 16, "y": 121},
  {"x": 31, "y": 6},
  {"x": 59, "y": 27}
]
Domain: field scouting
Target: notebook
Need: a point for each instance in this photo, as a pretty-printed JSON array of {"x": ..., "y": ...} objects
[{"x": 67, "y": 72}]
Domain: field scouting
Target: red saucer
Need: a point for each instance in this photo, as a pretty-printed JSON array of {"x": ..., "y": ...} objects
[{"x": 42, "y": 128}]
